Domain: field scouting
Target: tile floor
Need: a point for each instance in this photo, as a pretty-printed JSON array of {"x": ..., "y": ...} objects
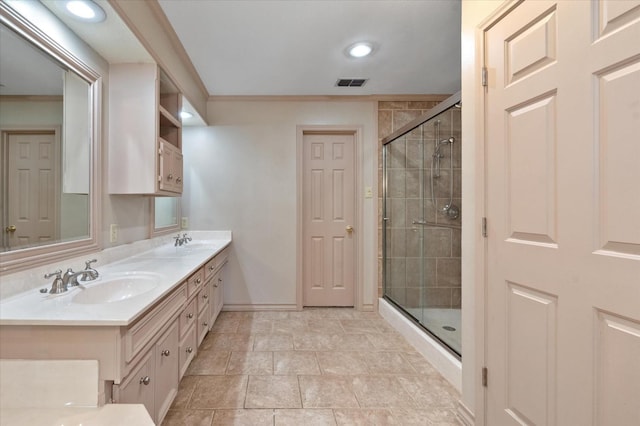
[{"x": 315, "y": 367}]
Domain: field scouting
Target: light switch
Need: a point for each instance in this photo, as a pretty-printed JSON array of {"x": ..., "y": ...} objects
[
  {"x": 184, "y": 223},
  {"x": 368, "y": 192}
]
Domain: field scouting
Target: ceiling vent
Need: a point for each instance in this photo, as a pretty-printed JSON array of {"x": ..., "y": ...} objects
[{"x": 351, "y": 82}]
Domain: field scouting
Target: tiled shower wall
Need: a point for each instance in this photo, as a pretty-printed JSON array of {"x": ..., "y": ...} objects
[{"x": 439, "y": 285}]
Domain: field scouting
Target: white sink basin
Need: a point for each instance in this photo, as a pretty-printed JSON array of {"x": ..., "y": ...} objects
[{"x": 117, "y": 287}]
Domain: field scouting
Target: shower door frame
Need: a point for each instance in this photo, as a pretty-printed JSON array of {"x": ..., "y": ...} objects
[{"x": 429, "y": 115}]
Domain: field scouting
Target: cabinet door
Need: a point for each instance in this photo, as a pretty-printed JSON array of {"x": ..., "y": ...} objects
[
  {"x": 138, "y": 388},
  {"x": 170, "y": 168},
  {"x": 218, "y": 296},
  {"x": 203, "y": 324},
  {"x": 167, "y": 371},
  {"x": 188, "y": 348}
]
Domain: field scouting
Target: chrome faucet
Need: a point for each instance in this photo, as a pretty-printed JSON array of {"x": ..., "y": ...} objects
[
  {"x": 57, "y": 286},
  {"x": 90, "y": 273},
  {"x": 180, "y": 241}
]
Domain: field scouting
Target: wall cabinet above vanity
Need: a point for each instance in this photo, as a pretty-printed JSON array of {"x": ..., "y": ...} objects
[{"x": 145, "y": 131}]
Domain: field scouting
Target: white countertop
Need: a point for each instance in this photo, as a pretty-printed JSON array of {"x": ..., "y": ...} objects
[
  {"x": 107, "y": 415},
  {"x": 171, "y": 264}
]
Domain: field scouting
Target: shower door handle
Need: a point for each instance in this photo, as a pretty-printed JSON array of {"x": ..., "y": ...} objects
[{"x": 419, "y": 222}]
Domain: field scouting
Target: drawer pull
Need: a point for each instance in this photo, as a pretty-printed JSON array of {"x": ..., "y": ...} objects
[
  {"x": 211, "y": 268},
  {"x": 145, "y": 380},
  {"x": 166, "y": 352},
  {"x": 198, "y": 281},
  {"x": 189, "y": 316},
  {"x": 205, "y": 296},
  {"x": 205, "y": 324},
  {"x": 189, "y": 349},
  {"x": 170, "y": 177}
]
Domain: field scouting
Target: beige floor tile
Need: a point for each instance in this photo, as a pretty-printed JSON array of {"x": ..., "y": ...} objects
[
  {"x": 315, "y": 342},
  {"x": 243, "y": 418},
  {"x": 225, "y": 325},
  {"x": 235, "y": 315},
  {"x": 353, "y": 342},
  {"x": 359, "y": 326},
  {"x": 430, "y": 391},
  {"x": 209, "y": 363},
  {"x": 219, "y": 392},
  {"x": 304, "y": 417},
  {"x": 228, "y": 342},
  {"x": 272, "y": 342},
  {"x": 364, "y": 417},
  {"x": 256, "y": 363},
  {"x": 185, "y": 390},
  {"x": 289, "y": 326},
  {"x": 273, "y": 392},
  {"x": 253, "y": 326},
  {"x": 342, "y": 363},
  {"x": 431, "y": 417},
  {"x": 188, "y": 418},
  {"x": 327, "y": 392},
  {"x": 390, "y": 342},
  {"x": 324, "y": 325},
  {"x": 420, "y": 364},
  {"x": 381, "y": 392},
  {"x": 387, "y": 363},
  {"x": 271, "y": 315},
  {"x": 293, "y": 363}
]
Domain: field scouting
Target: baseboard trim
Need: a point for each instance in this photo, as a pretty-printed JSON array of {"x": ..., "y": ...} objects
[
  {"x": 368, "y": 308},
  {"x": 447, "y": 365},
  {"x": 265, "y": 307},
  {"x": 465, "y": 416}
]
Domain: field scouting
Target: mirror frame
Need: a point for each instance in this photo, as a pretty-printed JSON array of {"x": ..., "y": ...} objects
[{"x": 13, "y": 261}]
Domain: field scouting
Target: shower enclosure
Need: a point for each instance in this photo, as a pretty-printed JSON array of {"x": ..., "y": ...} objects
[{"x": 422, "y": 210}]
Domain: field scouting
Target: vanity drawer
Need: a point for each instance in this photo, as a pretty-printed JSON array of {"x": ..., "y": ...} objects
[
  {"x": 203, "y": 297},
  {"x": 195, "y": 282},
  {"x": 216, "y": 263},
  {"x": 188, "y": 317},
  {"x": 188, "y": 349},
  {"x": 203, "y": 325},
  {"x": 141, "y": 333}
]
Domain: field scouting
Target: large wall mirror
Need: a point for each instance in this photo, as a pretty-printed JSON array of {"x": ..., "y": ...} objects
[
  {"x": 166, "y": 215},
  {"x": 49, "y": 109}
]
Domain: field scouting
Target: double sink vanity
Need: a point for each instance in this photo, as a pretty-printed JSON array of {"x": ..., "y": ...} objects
[{"x": 142, "y": 317}]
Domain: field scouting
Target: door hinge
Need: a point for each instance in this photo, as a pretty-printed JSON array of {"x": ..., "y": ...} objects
[
  {"x": 484, "y": 376},
  {"x": 484, "y": 77},
  {"x": 484, "y": 227}
]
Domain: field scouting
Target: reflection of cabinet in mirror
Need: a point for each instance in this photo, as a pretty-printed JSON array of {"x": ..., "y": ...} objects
[{"x": 145, "y": 132}]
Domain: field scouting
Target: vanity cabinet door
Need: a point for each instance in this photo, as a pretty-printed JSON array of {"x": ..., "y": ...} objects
[
  {"x": 139, "y": 386},
  {"x": 188, "y": 349},
  {"x": 203, "y": 324},
  {"x": 216, "y": 296},
  {"x": 167, "y": 372}
]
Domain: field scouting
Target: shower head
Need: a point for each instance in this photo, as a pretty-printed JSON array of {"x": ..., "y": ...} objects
[{"x": 446, "y": 141}]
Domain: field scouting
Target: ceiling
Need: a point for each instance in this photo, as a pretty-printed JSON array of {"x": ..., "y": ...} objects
[{"x": 296, "y": 47}]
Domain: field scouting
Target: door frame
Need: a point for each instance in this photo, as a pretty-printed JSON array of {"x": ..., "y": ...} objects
[{"x": 357, "y": 132}]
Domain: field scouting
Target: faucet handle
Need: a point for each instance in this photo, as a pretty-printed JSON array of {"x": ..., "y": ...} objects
[
  {"x": 57, "y": 273},
  {"x": 87, "y": 264}
]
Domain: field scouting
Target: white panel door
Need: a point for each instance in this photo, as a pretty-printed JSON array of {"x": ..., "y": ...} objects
[
  {"x": 563, "y": 209},
  {"x": 328, "y": 215},
  {"x": 34, "y": 179}
]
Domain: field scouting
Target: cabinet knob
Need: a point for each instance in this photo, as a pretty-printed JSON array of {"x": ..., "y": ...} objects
[
  {"x": 205, "y": 324},
  {"x": 178, "y": 179},
  {"x": 190, "y": 316},
  {"x": 189, "y": 349},
  {"x": 205, "y": 296},
  {"x": 198, "y": 281},
  {"x": 145, "y": 380},
  {"x": 211, "y": 268},
  {"x": 215, "y": 285},
  {"x": 170, "y": 177},
  {"x": 166, "y": 352}
]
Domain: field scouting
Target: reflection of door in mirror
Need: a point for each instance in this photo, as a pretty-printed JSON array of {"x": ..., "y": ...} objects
[
  {"x": 34, "y": 175},
  {"x": 45, "y": 157}
]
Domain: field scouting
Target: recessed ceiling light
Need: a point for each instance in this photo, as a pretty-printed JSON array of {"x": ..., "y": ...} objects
[
  {"x": 185, "y": 114},
  {"x": 360, "y": 50},
  {"x": 85, "y": 10}
]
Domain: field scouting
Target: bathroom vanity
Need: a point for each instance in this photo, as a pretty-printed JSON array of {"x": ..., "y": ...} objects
[{"x": 142, "y": 320}]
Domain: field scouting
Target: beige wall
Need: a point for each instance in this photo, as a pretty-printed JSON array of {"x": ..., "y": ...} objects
[{"x": 241, "y": 175}]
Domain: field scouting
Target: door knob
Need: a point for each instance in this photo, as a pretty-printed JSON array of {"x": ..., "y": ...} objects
[
  {"x": 349, "y": 229},
  {"x": 11, "y": 228}
]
